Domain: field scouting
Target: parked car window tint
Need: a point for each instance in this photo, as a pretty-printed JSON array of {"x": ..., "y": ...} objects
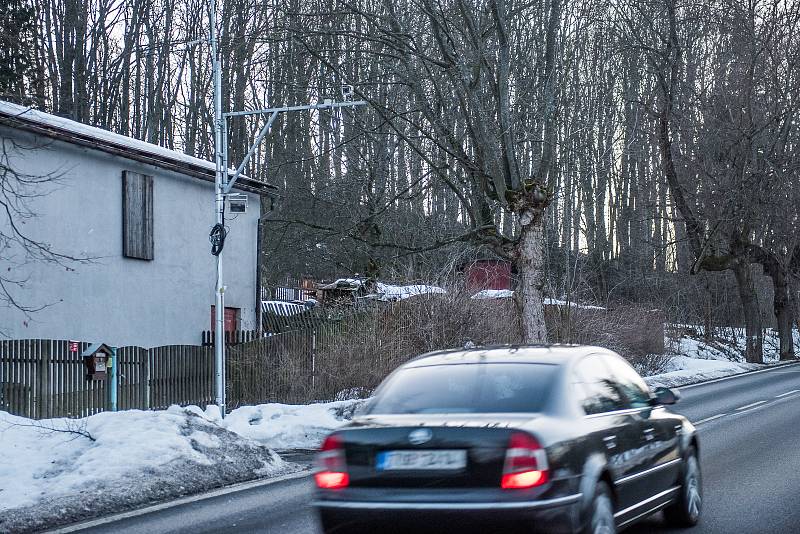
[
  {"x": 466, "y": 388},
  {"x": 635, "y": 390},
  {"x": 596, "y": 387}
]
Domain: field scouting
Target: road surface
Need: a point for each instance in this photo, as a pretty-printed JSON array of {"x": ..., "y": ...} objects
[{"x": 750, "y": 451}]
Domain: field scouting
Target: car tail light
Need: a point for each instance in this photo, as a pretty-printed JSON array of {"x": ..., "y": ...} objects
[
  {"x": 526, "y": 463},
  {"x": 332, "y": 465}
]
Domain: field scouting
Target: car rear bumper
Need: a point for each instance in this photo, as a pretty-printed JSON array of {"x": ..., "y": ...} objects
[
  {"x": 557, "y": 515},
  {"x": 455, "y": 506}
]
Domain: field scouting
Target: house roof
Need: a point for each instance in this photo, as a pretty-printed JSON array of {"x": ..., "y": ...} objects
[
  {"x": 96, "y": 347},
  {"x": 76, "y": 133}
]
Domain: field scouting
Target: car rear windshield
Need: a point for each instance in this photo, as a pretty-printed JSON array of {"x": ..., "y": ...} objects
[{"x": 466, "y": 388}]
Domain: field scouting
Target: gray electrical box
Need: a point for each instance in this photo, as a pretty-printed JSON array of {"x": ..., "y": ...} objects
[{"x": 237, "y": 203}]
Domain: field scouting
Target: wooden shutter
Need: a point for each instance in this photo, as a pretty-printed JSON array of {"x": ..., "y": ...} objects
[{"x": 137, "y": 215}]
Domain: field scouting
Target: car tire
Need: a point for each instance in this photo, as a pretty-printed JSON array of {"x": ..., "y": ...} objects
[
  {"x": 600, "y": 516},
  {"x": 685, "y": 512}
]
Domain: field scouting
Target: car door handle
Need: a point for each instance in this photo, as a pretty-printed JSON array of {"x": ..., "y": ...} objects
[
  {"x": 648, "y": 433},
  {"x": 611, "y": 441}
]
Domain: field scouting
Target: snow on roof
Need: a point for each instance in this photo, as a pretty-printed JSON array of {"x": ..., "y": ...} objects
[
  {"x": 83, "y": 134},
  {"x": 390, "y": 292},
  {"x": 345, "y": 284},
  {"x": 356, "y": 282},
  {"x": 283, "y": 308}
]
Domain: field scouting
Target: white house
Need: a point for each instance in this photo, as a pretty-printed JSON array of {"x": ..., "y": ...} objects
[{"x": 139, "y": 214}]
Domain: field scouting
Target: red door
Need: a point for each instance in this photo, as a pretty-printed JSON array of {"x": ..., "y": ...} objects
[{"x": 231, "y": 319}]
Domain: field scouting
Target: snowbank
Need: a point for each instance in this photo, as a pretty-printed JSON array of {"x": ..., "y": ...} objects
[
  {"x": 493, "y": 294},
  {"x": 286, "y": 426},
  {"x": 687, "y": 370},
  {"x": 694, "y": 360},
  {"x": 557, "y": 302},
  {"x": 507, "y": 294},
  {"x": 60, "y": 470}
]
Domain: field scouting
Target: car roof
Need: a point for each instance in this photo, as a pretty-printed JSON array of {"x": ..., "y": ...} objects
[{"x": 545, "y": 354}]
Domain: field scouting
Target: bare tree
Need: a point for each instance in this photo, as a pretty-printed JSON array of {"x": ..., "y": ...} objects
[
  {"x": 468, "y": 70},
  {"x": 601, "y": 147},
  {"x": 731, "y": 125},
  {"x": 18, "y": 191}
]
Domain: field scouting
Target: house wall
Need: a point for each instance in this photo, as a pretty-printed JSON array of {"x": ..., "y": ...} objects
[{"x": 113, "y": 299}]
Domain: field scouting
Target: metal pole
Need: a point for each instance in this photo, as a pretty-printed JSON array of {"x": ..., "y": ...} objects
[
  {"x": 222, "y": 186},
  {"x": 219, "y": 184},
  {"x": 224, "y": 191},
  {"x": 113, "y": 380}
]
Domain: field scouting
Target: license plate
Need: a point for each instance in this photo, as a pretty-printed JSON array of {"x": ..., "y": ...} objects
[{"x": 421, "y": 460}]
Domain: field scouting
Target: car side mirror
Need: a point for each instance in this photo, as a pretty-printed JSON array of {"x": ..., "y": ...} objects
[{"x": 666, "y": 396}]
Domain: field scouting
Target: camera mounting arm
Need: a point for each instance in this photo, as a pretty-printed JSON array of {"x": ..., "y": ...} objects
[{"x": 273, "y": 114}]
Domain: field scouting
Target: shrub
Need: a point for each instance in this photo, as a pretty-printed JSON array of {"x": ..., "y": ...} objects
[{"x": 355, "y": 352}]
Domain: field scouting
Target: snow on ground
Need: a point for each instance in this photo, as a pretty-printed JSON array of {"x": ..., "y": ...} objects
[
  {"x": 507, "y": 294},
  {"x": 557, "y": 302},
  {"x": 64, "y": 470},
  {"x": 493, "y": 294},
  {"x": 694, "y": 360},
  {"x": 285, "y": 426},
  {"x": 60, "y": 471},
  {"x": 687, "y": 370}
]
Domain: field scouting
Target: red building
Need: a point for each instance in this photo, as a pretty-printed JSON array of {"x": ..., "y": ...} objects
[{"x": 488, "y": 274}]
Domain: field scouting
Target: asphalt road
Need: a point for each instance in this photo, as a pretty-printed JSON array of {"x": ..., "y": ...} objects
[{"x": 750, "y": 454}]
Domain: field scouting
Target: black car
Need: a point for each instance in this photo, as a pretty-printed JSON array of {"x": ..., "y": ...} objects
[{"x": 537, "y": 438}]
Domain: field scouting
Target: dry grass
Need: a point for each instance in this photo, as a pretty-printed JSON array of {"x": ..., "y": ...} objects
[{"x": 350, "y": 356}]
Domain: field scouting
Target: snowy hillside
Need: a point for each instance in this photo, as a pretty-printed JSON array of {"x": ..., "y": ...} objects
[{"x": 691, "y": 359}]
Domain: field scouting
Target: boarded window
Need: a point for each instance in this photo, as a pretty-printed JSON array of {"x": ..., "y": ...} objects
[{"x": 137, "y": 215}]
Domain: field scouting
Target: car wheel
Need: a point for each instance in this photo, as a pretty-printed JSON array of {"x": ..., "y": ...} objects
[
  {"x": 685, "y": 512},
  {"x": 600, "y": 519}
]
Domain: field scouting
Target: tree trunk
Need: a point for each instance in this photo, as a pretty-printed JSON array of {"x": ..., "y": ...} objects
[
  {"x": 708, "y": 310},
  {"x": 794, "y": 299},
  {"x": 784, "y": 315},
  {"x": 754, "y": 352},
  {"x": 782, "y": 305},
  {"x": 530, "y": 269}
]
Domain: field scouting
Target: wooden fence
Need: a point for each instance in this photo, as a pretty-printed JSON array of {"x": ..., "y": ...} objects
[
  {"x": 43, "y": 378},
  {"x": 234, "y": 337}
]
